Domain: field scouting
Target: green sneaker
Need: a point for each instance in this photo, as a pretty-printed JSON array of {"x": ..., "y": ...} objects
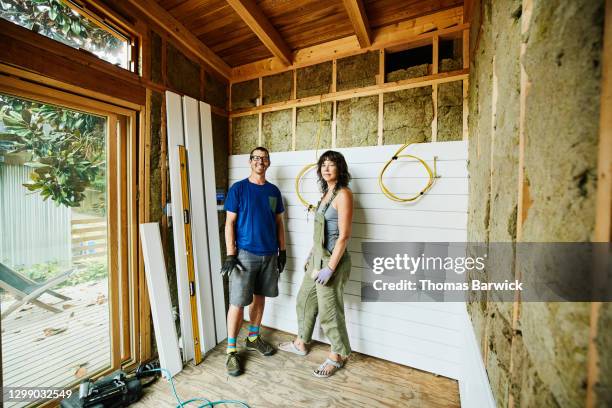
[
  {"x": 264, "y": 348},
  {"x": 232, "y": 364}
]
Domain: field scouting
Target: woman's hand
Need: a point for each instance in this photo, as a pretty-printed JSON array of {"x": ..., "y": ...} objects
[{"x": 324, "y": 275}]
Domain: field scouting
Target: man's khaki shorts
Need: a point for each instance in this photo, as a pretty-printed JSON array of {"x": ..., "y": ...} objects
[{"x": 260, "y": 277}]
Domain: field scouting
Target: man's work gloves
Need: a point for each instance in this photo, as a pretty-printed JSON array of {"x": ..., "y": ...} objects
[
  {"x": 231, "y": 262},
  {"x": 282, "y": 260},
  {"x": 324, "y": 275}
]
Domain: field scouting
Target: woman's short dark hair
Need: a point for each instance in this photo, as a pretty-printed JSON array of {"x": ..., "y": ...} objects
[{"x": 344, "y": 177}]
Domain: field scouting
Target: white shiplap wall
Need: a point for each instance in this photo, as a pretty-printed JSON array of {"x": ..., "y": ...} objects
[{"x": 427, "y": 336}]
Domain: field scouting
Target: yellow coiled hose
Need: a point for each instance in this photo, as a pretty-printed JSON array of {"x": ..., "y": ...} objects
[{"x": 395, "y": 157}]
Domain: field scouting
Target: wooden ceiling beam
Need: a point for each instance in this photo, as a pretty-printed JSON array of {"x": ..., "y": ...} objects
[
  {"x": 414, "y": 32},
  {"x": 263, "y": 29},
  {"x": 359, "y": 19},
  {"x": 181, "y": 34}
]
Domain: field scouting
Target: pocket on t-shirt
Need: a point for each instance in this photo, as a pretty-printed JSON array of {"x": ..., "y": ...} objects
[{"x": 272, "y": 201}]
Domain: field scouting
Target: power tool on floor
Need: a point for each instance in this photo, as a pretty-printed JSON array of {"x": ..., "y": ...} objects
[{"x": 116, "y": 390}]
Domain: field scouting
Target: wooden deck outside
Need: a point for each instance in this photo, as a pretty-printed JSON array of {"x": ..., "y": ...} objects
[
  {"x": 45, "y": 349},
  {"x": 286, "y": 380}
]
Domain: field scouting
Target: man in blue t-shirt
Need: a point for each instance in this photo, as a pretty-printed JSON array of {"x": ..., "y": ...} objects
[{"x": 256, "y": 255}]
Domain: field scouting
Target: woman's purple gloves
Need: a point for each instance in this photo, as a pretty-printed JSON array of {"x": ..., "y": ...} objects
[{"x": 324, "y": 275}]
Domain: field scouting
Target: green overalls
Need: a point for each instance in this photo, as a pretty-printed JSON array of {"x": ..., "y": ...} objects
[{"x": 324, "y": 300}]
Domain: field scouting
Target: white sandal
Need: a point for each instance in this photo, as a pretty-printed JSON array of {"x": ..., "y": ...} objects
[
  {"x": 290, "y": 347},
  {"x": 320, "y": 372}
]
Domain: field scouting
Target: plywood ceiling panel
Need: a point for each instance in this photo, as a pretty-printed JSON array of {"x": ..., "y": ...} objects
[
  {"x": 308, "y": 22},
  {"x": 385, "y": 12},
  {"x": 168, "y": 4},
  {"x": 300, "y": 23},
  {"x": 218, "y": 26}
]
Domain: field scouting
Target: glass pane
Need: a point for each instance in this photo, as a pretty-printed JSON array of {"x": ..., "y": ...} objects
[
  {"x": 53, "y": 224},
  {"x": 54, "y": 19}
]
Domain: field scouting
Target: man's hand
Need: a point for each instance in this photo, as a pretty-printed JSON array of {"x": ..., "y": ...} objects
[
  {"x": 324, "y": 275},
  {"x": 231, "y": 262},
  {"x": 281, "y": 260}
]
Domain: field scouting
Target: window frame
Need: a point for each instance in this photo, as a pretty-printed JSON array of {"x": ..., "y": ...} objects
[
  {"x": 124, "y": 169},
  {"x": 108, "y": 20},
  {"x": 117, "y": 26}
]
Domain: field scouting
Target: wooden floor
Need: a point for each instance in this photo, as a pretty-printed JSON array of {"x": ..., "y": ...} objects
[
  {"x": 46, "y": 349},
  {"x": 286, "y": 380}
]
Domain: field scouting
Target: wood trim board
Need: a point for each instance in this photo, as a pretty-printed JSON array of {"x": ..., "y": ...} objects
[
  {"x": 214, "y": 242},
  {"x": 159, "y": 293},
  {"x": 198, "y": 225}
]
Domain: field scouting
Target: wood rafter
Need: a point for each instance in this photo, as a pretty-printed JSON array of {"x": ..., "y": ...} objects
[
  {"x": 263, "y": 29},
  {"x": 414, "y": 31},
  {"x": 359, "y": 19},
  {"x": 181, "y": 34}
]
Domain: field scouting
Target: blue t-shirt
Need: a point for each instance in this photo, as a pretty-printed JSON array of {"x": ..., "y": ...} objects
[{"x": 256, "y": 206}]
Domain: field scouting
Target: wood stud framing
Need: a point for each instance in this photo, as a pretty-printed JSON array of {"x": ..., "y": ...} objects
[
  {"x": 428, "y": 80},
  {"x": 434, "y": 88},
  {"x": 380, "y": 79},
  {"x": 334, "y": 103},
  {"x": 603, "y": 211},
  {"x": 293, "y": 110},
  {"x": 523, "y": 188},
  {"x": 466, "y": 65},
  {"x": 144, "y": 195},
  {"x": 229, "y": 120},
  {"x": 378, "y": 89},
  {"x": 260, "y": 115}
]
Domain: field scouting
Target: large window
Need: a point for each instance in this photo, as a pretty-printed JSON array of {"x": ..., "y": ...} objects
[
  {"x": 65, "y": 22},
  {"x": 67, "y": 232}
]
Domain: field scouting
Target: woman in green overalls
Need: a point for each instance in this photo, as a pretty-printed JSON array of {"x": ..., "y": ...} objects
[{"x": 328, "y": 266}]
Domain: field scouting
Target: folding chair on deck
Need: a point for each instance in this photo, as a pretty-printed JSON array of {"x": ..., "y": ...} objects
[{"x": 26, "y": 290}]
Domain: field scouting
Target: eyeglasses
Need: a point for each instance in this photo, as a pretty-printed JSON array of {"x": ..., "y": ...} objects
[{"x": 257, "y": 159}]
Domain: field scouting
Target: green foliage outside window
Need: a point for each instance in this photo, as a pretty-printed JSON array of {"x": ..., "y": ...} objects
[
  {"x": 54, "y": 19},
  {"x": 67, "y": 148}
]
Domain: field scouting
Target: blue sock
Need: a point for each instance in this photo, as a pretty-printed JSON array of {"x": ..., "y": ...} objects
[
  {"x": 231, "y": 345},
  {"x": 253, "y": 332}
]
